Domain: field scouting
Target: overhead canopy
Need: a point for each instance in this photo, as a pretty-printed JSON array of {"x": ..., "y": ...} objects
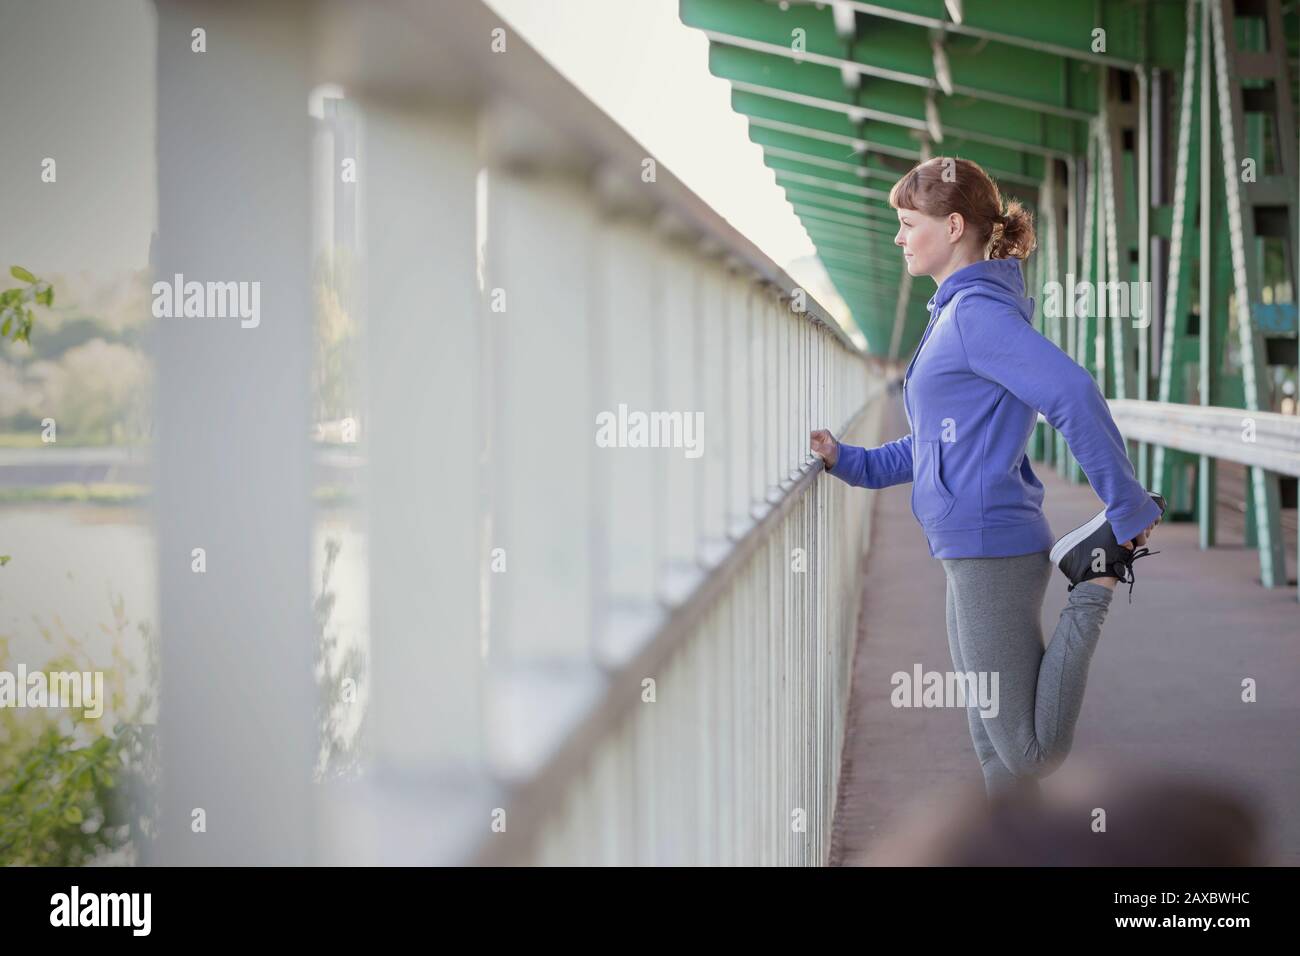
[{"x": 844, "y": 97}]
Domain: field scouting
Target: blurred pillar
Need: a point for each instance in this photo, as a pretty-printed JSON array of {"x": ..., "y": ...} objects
[{"x": 233, "y": 479}]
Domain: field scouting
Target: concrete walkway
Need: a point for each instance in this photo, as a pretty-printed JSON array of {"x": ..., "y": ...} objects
[{"x": 1164, "y": 689}]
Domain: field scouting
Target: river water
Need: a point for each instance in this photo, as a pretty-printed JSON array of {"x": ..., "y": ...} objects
[{"x": 70, "y": 564}]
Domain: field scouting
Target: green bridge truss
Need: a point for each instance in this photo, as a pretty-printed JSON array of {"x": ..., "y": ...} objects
[{"x": 1154, "y": 140}]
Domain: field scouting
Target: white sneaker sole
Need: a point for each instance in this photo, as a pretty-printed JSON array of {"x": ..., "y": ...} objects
[{"x": 1062, "y": 547}]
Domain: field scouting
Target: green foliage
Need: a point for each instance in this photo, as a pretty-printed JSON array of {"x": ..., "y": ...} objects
[
  {"x": 63, "y": 803},
  {"x": 75, "y": 492},
  {"x": 89, "y": 368},
  {"x": 16, "y": 316},
  {"x": 72, "y": 790}
]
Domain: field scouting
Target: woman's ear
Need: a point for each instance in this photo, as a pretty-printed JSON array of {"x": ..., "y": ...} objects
[{"x": 956, "y": 227}]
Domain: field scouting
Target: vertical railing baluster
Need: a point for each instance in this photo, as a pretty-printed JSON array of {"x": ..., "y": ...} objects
[{"x": 233, "y": 505}]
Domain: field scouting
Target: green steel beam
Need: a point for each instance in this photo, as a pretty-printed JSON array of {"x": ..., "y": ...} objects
[
  {"x": 866, "y": 291},
  {"x": 848, "y": 280},
  {"x": 867, "y": 257},
  {"x": 902, "y": 52},
  {"x": 873, "y": 208},
  {"x": 878, "y": 244},
  {"x": 1065, "y": 29},
  {"x": 1171, "y": 468},
  {"x": 850, "y": 264},
  {"x": 855, "y": 262},
  {"x": 884, "y": 138},
  {"x": 1139, "y": 171},
  {"x": 847, "y": 182},
  {"x": 1247, "y": 267},
  {"x": 877, "y": 273},
  {"x": 897, "y": 103},
  {"x": 858, "y": 161},
  {"x": 856, "y": 259},
  {"x": 837, "y": 232},
  {"x": 886, "y": 252},
  {"x": 846, "y": 218},
  {"x": 849, "y": 224},
  {"x": 865, "y": 162},
  {"x": 1044, "y": 268},
  {"x": 870, "y": 311},
  {"x": 873, "y": 258},
  {"x": 1117, "y": 238},
  {"x": 884, "y": 178},
  {"x": 811, "y": 195},
  {"x": 874, "y": 251},
  {"x": 832, "y": 197}
]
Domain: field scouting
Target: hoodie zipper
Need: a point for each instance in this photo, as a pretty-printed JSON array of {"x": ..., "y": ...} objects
[
  {"x": 924, "y": 338},
  {"x": 908, "y": 374}
]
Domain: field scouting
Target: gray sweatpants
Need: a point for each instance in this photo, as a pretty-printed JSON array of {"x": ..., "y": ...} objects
[{"x": 994, "y": 612}]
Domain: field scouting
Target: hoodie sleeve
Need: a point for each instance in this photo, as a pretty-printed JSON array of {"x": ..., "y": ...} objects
[
  {"x": 1003, "y": 348},
  {"x": 889, "y": 464}
]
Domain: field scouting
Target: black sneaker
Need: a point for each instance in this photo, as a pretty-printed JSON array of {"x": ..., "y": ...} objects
[{"x": 1073, "y": 553}]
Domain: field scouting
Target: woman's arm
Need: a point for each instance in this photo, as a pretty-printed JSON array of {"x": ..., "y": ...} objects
[
  {"x": 1004, "y": 348},
  {"x": 889, "y": 464}
]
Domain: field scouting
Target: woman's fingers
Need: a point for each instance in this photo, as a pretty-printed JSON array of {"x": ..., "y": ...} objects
[
  {"x": 1142, "y": 538},
  {"x": 824, "y": 446}
]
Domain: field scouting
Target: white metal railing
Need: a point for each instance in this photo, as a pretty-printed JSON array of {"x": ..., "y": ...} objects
[
  {"x": 1265, "y": 439},
  {"x": 578, "y": 653}
]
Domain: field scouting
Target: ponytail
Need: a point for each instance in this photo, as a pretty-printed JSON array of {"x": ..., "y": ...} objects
[{"x": 1013, "y": 234}]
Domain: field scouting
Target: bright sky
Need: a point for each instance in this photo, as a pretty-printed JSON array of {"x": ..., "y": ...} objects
[
  {"x": 639, "y": 63},
  {"x": 78, "y": 87}
]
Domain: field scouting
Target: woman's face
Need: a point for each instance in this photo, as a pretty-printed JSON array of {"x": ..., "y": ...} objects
[{"x": 928, "y": 242}]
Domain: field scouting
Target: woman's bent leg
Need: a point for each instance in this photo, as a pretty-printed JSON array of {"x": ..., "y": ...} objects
[{"x": 998, "y": 605}]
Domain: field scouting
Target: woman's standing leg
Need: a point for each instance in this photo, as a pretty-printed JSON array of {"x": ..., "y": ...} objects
[
  {"x": 998, "y": 604},
  {"x": 997, "y": 778}
]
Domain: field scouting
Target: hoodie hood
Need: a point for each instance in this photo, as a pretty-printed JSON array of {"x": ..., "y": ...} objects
[{"x": 996, "y": 278}]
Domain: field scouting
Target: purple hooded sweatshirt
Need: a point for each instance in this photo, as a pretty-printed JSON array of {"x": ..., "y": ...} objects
[{"x": 972, "y": 393}]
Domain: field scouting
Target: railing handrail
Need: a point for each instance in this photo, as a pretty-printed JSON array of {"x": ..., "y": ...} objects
[
  {"x": 435, "y": 49},
  {"x": 1215, "y": 431},
  {"x": 480, "y": 166},
  {"x": 618, "y": 682}
]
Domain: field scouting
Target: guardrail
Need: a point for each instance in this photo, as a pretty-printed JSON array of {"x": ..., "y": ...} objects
[
  {"x": 1264, "y": 439},
  {"x": 1267, "y": 442},
  {"x": 582, "y": 649}
]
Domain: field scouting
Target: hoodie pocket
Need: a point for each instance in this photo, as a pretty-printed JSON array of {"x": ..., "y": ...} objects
[{"x": 931, "y": 499}]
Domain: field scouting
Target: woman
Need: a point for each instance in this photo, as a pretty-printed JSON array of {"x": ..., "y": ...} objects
[{"x": 972, "y": 394}]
